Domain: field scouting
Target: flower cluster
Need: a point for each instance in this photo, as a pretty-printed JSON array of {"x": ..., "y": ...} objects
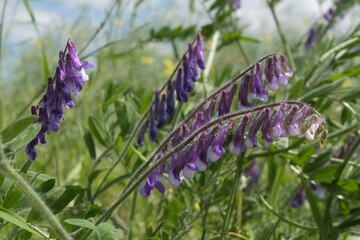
[
  {"x": 164, "y": 104},
  {"x": 68, "y": 80},
  {"x": 287, "y": 120}
]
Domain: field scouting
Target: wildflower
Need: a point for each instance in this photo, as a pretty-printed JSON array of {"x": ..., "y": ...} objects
[
  {"x": 235, "y": 4},
  {"x": 209, "y": 111},
  {"x": 154, "y": 180},
  {"x": 153, "y": 129},
  {"x": 276, "y": 129},
  {"x": 216, "y": 150},
  {"x": 181, "y": 94},
  {"x": 256, "y": 88},
  {"x": 270, "y": 74},
  {"x": 68, "y": 80},
  {"x": 265, "y": 129},
  {"x": 281, "y": 78},
  {"x": 199, "y": 52},
  {"x": 226, "y": 100},
  {"x": 139, "y": 141},
  {"x": 243, "y": 92},
  {"x": 294, "y": 127},
  {"x": 236, "y": 145},
  {"x": 162, "y": 112},
  {"x": 251, "y": 172},
  {"x": 251, "y": 140},
  {"x": 300, "y": 197}
]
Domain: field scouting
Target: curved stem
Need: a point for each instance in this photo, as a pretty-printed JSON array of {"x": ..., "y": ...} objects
[
  {"x": 140, "y": 175},
  {"x": 35, "y": 200}
]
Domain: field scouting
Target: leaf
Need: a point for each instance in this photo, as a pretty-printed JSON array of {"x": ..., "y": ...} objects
[
  {"x": 317, "y": 162},
  {"x": 55, "y": 202},
  {"x": 324, "y": 174},
  {"x": 14, "y": 129},
  {"x": 14, "y": 219},
  {"x": 97, "y": 129},
  {"x": 90, "y": 145},
  {"x": 46, "y": 186},
  {"x": 104, "y": 231},
  {"x": 324, "y": 90},
  {"x": 12, "y": 197},
  {"x": 24, "y": 138}
]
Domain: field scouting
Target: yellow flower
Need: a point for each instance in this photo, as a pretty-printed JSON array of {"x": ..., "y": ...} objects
[
  {"x": 147, "y": 60},
  {"x": 169, "y": 67}
]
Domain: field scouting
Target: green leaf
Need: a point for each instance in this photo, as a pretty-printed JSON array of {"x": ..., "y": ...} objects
[
  {"x": 324, "y": 174},
  {"x": 46, "y": 186},
  {"x": 90, "y": 145},
  {"x": 24, "y": 138},
  {"x": 12, "y": 197},
  {"x": 97, "y": 129},
  {"x": 322, "y": 91},
  {"x": 14, "y": 219},
  {"x": 317, "y": 162},
  {"x": 14, "y": 129},
  {"x": 104, "y": 231}
]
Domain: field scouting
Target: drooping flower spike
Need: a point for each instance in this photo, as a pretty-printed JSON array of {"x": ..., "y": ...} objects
[
  {"x": 68, "y": 80},
  {"x": 207, "y": 144}
]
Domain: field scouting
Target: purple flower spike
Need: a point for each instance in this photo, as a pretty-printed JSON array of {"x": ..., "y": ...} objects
[
  {"x": 252, "y": 174},
  {"x": 276, "y": 130},
  {"x": 299, "y": 199},
  {"x": 68, "y": 80},
  {"x": 256, "y": 87},
  {"x": 177, "y": 163},
  {"x": 162, "y": 112},
  {"x": 209, "y": 111},
  {"x": 153, "y": 129},
  {"x": 236, "y": 145},
  {"x": 170, "y": 102},
  {"x": 243, "y": 92},
  {"x": 294, "y": 127},
  {"x": 285, "y": 67},
  {"x": 180, "y": 92},
  {"x": 144, "y": 127},
  {"x": 199, "y": 52},
  {"x": 230, "y": 96},
  {"x": 269, "y": 74},
  {"x": 281, "y": 79},
  {"x": 251, "y": 140},
  {"x": 154, "y": 180},
  {"x": 216, "y": 150},
  {"x": 265, "y": 129}
]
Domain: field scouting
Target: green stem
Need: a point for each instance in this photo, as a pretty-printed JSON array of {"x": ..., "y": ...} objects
[
  {"x": 234, "y": 191},
  {"x": 282, "y": 37},
  {"x": 35, "y": 200}
]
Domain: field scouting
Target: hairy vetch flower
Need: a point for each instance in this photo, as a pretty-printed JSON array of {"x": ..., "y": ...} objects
[{"x": 68, "y": 80}]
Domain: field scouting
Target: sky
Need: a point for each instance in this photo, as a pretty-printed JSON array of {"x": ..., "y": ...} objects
[{"x": 55, "y": 14}]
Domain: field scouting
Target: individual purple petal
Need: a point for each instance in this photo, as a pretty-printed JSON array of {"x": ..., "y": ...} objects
[
  {"x": 30, "y": 149},
  {"x": 256, "y": 87},
  {"x": 209, "y": 111},
  {"x": 230, "y": 96},
  {"x": 285, "y": 67},
  {"x": 299, "y": 199},
  {"x": 202, "y": 161},
  {"x": 142, "y": 131},
  {"x": 153, "y": 129},
  {"x": 154, "y": 180},
  {"x": 186, "y": 75},
  {"x": 243, "y": 92},
  {"x": 162, "y": 112},
  {"x": 251, "y": 139},
  {"x": 294, "y": 126},
  {"x": 270, "y": 74},
  {"x": 180, "y": 92},
  {"x": 199, "y": 52},
  {"x": 199, "y": 121},
  {"x": 319, "y": 191},
  {"x": 276, "y": 129},
  {"x": 170, "y": 102},
  {"x": 216, "y": 150},
  {"x": 251, "y": 172},
  {"x": 193, "y": 72},
  {"x": 265, "y": 129},
  {"x": 236, "y": 145},
  {"x": 288, "y": 120},
  {"x": 222, "y": 103},
  {"x": 281, "y": 79}
]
